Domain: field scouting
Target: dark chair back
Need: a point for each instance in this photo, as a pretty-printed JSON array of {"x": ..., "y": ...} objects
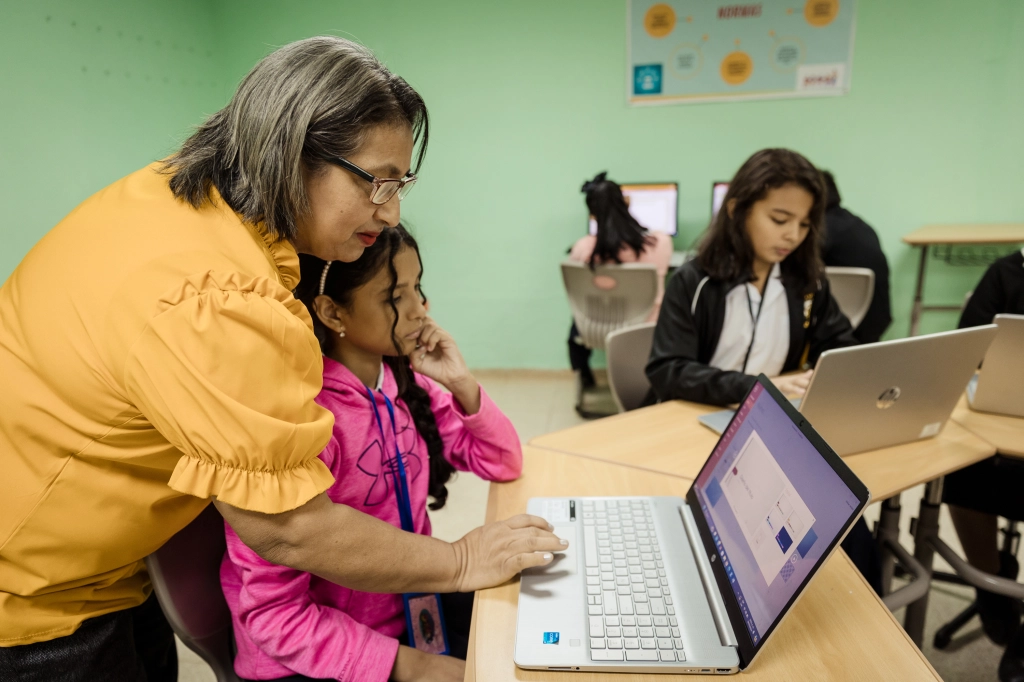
[{"x": 186, "y": 578}]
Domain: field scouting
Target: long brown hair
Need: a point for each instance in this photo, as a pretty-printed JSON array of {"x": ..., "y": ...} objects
[{"x": 725, "y": 252}]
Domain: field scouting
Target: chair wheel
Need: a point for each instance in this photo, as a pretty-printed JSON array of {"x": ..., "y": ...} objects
[{"x": 941, "y": 640}]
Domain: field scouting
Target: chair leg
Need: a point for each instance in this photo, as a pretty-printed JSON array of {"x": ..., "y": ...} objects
[
  {"x": 581, "y": 410},
  {"x": 945, "y": 634}
]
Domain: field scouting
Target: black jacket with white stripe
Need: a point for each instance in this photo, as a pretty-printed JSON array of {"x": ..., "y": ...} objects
[{"x": 690, "y": 324}]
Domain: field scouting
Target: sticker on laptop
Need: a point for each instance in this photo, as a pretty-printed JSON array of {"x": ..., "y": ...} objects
[{"x": 930, "y": 430}]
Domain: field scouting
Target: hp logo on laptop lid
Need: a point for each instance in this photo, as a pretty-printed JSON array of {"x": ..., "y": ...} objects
[{"x": 888, "y": 398}]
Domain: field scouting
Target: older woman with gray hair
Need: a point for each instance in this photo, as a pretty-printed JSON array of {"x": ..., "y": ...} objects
[{"x": 154, "y": 359}]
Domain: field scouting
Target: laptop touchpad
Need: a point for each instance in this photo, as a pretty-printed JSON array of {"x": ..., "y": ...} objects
[{"x": 565, "y": 562}]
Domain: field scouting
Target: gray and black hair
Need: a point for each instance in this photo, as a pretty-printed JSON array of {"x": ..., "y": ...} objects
[{"x": 302, "y": 104}]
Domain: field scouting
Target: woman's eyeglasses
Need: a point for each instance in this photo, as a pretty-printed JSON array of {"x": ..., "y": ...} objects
[{"x": 383, "y": 188}]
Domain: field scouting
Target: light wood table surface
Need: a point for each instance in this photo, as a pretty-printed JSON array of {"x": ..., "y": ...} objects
[
  {"x": 839, "y": 630},
  {"x": 966, "y": 233},
  {"x": 936, "y": 235},
  {"x": 668, "y": 439},
  {"x": 1005, "y": 434}
]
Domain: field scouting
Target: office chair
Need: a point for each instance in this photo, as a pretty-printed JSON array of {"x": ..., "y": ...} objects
[
  {"x": 1008, "y": 569},
  {"x": 604, "y": 299},
  {"x": 627, "y": 352},
  {"x": 185, "y": 573},
  {"x": 852, "y": 289}
]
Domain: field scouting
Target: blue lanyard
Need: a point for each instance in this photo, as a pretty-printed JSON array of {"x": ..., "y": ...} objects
[{"x": 401, "y": 482}]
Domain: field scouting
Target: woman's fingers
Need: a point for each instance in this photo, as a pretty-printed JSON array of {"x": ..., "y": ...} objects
[
  {"x": 527, "y": 521},
  {"x": 536, "y": 541},
  {"x": 521, "y": 562}
]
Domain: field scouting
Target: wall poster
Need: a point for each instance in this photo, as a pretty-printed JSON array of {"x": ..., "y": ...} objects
[{"x": 683, "y": 51}]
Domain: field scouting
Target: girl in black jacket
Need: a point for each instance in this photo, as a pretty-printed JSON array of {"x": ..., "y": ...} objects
[{"x": 713, "y": 334}]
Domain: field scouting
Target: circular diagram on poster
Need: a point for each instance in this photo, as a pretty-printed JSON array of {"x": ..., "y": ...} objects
[
  {"x": 820, "y": 13},
  {"x": 736, "y": 67},
  {"x": 787, "y": 54},
  {"x": 686, "y": 61},
  {"x": 659, "y": 20}
]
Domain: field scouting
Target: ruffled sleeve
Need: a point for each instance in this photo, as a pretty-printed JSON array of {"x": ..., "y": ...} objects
[{"x": 227, "y": 370}]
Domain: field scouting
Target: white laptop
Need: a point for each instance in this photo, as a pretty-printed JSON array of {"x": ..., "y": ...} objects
[
  {"x": 999, "y": 388},
  {"x": 667, "y": 585},
  {"x": 882, "y": 394}
]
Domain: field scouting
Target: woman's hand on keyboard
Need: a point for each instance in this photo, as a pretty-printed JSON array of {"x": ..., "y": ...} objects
[{"x": 495, "y": 553}]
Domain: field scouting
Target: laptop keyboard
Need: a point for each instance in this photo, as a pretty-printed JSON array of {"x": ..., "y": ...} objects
[{"x": 632, "y": 617}]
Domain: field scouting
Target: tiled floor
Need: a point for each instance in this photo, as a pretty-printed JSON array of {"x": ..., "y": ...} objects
[{"x": 540, "y": 402}]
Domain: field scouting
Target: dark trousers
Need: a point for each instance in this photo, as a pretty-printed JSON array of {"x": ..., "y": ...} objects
[
  {"x": 862, "y": 549},
  {"x": 579, "y": 355},
  {"x": 134, "y": 645},
  {"x": 993, "y": 486},
  {"x": 458, "y": 611}
]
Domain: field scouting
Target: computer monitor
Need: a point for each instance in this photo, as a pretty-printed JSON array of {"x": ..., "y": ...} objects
[
  {"x": 655, "y": 205},
  {"x": 718, "y": 190}
]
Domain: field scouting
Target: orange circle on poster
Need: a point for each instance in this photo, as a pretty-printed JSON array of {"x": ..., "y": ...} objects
[
  {"x": 821, "y": 12},
  {"x": 659, "y": 20},
  {"x": 736, "y": 68}
]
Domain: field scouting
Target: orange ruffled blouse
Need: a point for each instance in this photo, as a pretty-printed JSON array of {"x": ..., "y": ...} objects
[{"x": 152, "y": 356}]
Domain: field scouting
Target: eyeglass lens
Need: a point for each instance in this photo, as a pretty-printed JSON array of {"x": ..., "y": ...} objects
[{"x": 386, "y": 190}]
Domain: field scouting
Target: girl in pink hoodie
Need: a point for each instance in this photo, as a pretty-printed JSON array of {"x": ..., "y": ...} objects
[{"x": 385, "y": 365}]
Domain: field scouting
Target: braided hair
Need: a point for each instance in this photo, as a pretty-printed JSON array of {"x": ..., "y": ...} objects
[{"x": 339, "y": 280}]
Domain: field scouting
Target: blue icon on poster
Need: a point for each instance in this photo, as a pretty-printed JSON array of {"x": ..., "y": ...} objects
[{"x": 647, "y": 79}]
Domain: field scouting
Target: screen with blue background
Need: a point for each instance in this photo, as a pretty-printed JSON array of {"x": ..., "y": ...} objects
[{"x": 773, "y": 504}]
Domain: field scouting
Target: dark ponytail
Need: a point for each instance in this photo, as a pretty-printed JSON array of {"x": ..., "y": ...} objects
[
  {"x": 340, "y": 281},
  {"x": 616, "y": 227}
]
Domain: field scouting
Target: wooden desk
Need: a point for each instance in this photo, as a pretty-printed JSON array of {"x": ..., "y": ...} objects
[
  {"x": 1005, "y": 434},
  {"x": 839, "y": 630},
  {"x": 933, "y": 235},
  {"x": 668, "y": 439}
]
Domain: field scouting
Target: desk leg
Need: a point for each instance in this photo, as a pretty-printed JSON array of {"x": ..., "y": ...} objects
[
  {"x": 915, "y": 311},
  {"x": 926, "y": 526},
  {"x": 888, "y": 527}
]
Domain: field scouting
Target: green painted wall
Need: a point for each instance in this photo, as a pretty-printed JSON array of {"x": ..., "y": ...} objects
[
  {"x": 527, "y": 100},
  {"x": 91, "y": 91}
]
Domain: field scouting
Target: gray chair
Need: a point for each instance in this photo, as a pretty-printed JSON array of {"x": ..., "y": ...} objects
[
  {"x": 853, "y": 289},
  {"x": 609, "y": 297},
  {"x": 186, "y": 579},
  {"x": 627, "y": 351},
  {"x": 605, "y": 299}
]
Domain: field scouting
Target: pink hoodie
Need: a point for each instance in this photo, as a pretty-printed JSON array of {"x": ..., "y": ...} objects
[{"x": 289, "y": 622}]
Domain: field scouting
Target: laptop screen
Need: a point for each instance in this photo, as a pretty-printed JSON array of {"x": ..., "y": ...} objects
[{"x": 774, "y": 506}]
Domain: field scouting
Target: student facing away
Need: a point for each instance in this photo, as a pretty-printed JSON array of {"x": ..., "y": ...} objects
[
  {"x": 755, "y": 300},
  {"x": 977, "y": 494},
  {"x": 851, "y": 242},
  {"x": 396, "y": 433},
  {"x": 619, "y": 239}
]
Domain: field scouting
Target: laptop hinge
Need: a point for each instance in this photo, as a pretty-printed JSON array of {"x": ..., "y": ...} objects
[{"x": 718, "y": 612}]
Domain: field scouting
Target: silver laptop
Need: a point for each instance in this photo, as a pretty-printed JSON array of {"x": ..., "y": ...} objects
[
  {"x": 667, "y": 585},
  {"x": 882, "y": 394},
  {"x": 1000, "y": 386}
]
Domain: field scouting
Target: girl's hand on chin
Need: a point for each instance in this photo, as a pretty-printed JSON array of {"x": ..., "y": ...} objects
[{"x": 438, "y": 357}]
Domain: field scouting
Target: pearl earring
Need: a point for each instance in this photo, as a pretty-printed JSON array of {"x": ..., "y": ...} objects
[{"x": 341, "y": 334}]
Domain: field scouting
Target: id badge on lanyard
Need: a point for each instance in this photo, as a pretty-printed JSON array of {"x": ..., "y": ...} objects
[{"x": 424, "y": 618}]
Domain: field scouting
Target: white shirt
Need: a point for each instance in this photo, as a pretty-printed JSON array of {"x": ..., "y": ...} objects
[{"x": 771, "y": 342}]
